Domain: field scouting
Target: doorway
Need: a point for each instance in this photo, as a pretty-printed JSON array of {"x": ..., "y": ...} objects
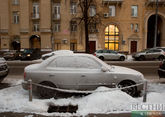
[
  {"x": 133, "y": 46},
  {"x": 92, "y": 47}
]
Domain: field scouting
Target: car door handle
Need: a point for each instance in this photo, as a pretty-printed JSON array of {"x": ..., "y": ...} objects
[
  {"x": 83, "y": 76},
  {"x": 51, "y": 75}
]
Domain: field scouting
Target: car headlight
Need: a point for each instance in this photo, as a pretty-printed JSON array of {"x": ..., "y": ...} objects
[{"x": 28, "y": 54}]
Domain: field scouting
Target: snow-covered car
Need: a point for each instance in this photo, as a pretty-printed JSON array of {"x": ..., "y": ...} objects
[
  {"x": 80, "y": 72},
  {"x": 109, "y": 55},
  {"x": 149, "y": 54},
  {"x": 3, "y": 68},
  {"x": 45, "y": 56}
]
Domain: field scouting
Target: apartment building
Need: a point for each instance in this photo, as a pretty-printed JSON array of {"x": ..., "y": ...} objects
[{"x": 122, "y": 25}]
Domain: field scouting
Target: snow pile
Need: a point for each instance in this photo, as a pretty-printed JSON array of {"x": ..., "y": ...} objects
[{"x": 15, "y": 99}]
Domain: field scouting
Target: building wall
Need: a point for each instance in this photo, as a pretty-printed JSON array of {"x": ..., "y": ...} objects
[{"x": 122, "y": 20}]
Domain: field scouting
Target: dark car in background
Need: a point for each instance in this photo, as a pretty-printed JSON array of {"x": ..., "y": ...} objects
[
  {"x": 149, "y": 54},
  {"x": 4, "y": 70},
  {"x": 161, "y": 70},
  {"x": 12, "y": 55},
  {"x": 30, "y": 54}
]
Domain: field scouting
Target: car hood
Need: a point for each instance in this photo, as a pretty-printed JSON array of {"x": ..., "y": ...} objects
[{"x": 125, "y": 70}]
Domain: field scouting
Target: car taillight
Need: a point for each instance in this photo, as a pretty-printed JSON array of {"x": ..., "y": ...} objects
[
  {"x": 94, "y": 54},
  {"x": 161, "y": 63},
  {"x": 24, "y": 75}
]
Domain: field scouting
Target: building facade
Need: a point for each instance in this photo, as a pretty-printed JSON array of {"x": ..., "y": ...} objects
[{"x": 122, "y": 25}]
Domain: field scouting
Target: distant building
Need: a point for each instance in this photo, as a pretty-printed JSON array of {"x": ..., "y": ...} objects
[{"x": 126, "y": 25}]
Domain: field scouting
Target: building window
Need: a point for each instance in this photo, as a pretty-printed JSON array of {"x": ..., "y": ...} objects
[
  {"x": 73, "y": 8},
  {"x": 112, "y": 37},
  {"x": 136, "y": 28},
  {"x": 92, "y": 28},
  {"x": 112, "y": 11},
  {"x": 15, "y": 17},
  {"x": 57, "y": 27},
  {"x": 73, "y": 26},
  {"x": 56, "y": 11},
  {"x": 134, "y": 11},
  {"x": 36, "y": 10},
  {"x": 36, "y": 27},
  {"x": 15, "y": 2},
  {"x": 92, "y": 10},
  {"x": 132, "y": 26}
]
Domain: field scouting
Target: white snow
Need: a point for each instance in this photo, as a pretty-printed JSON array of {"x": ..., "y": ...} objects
[{"x": 15, "y": 99}]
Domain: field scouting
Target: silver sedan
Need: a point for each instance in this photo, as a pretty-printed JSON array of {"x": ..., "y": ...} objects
[{"x": 80, "y": 72}]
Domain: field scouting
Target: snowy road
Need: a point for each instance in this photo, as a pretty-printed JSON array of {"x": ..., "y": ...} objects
[{"x": 15, "y": 99}]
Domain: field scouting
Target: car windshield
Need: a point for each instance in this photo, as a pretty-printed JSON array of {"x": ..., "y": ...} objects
[{"x": 27, "y": 51}]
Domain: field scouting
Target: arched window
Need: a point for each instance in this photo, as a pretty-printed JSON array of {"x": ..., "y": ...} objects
[{"x": 112, "y": 37}]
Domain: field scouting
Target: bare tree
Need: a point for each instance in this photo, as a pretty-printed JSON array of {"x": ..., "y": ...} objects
[{"x": 85, "y": 5}]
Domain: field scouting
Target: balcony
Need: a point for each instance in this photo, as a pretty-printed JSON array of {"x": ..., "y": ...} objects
[
  {"x": 35, "y": 16},
  {"x": 56, "y": 16},
  {"x": 153, "y": 2},
  {"x": 112, "y": 2}
]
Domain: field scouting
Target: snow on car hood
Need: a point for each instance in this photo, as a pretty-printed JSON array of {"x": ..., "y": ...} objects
[{"x": 124, "y": 70}]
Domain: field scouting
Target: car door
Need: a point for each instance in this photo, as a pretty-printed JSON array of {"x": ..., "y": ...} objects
[
  {"x": 62, "y": 72},
  {"x": 115, "y": 55},
  {"x": 149, "y": 54},
  {"x": 91, "y": 75}
]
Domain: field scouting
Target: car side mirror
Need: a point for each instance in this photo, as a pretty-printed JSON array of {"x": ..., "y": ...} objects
[{"x": 104, "y": 69}]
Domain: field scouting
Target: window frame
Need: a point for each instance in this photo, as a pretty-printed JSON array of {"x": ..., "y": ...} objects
[
  {"x": 112, "y": 11},
  {"x": 15, "y": 17},
  {"x": 134, "y": 11}
]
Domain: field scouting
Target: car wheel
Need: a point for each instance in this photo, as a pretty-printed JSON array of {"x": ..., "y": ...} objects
[
  {"x": 161, "y": 58},
  {"x": 132, "y": 90},
  {"x": 101, "y": 57},
  {"x": 141, "y": 58},
  {"x": 46, "y": 93},
  {"x": 122, "y": 58}
]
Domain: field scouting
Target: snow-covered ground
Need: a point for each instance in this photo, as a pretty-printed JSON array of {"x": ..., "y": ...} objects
[{"x": 15, "y": 99}]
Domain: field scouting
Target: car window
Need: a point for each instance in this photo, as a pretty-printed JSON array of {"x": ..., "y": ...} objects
[
  {"x": 99, "y": 51},
  {"x": 63, "y": 62},
  {"x": 105, "y": 51},
  {"x": 87, "y": 62}
]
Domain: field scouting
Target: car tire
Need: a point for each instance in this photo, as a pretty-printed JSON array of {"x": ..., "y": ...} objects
[
  {"x": 101, "y": 57},
  {"x": 161, "y": 58},
  {"x": 46, "y": 93},
  {"x": 132, "y": 91},
  {"x": 122, "y": 58},
  {"x": 141, "y": 58}
]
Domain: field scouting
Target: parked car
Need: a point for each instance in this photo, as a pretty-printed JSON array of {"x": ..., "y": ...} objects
[
  {"x": 3, "y": 68},
  {"x": 45, "y": 56},
  {"x": 12, "y": 55},
  {"x": 163, "y": 48},
  {"x": 161, "y": 70},
  {"x": 149, "y": 54},
  {"x": 109, "y": 55},
  {"x": 30, "y": 54},
  {"x": 80, "y": 72}
]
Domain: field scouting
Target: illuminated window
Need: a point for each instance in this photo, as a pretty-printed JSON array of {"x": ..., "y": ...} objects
[{"x": 112, "y": 37}]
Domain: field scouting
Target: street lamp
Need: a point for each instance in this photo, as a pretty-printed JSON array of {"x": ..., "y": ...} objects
[{"x": 156, "y": 23}]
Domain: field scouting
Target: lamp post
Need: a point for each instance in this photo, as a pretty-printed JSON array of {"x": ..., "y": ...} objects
[{"x": 156, "y": 23}]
